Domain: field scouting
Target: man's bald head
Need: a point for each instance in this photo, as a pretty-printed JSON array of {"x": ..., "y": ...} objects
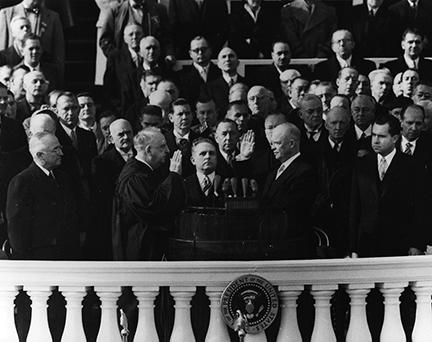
[
  {"x": 42, "y": 123},
  {"x": 121, "y": 134},
  {"x": 259, "y": 100},
  {"x": 337, "y": 123},
  {"x": 285, "y": 141}
]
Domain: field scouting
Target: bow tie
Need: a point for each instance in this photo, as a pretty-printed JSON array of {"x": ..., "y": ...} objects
[{"x": 34, "y": 9}]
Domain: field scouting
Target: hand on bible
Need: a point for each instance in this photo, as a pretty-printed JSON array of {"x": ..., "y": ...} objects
[{"x": 176, "y": 162}]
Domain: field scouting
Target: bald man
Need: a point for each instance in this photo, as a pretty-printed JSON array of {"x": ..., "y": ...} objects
[
  {"x": 218, "y": 89},
  {"x": 105, "y": 171},
  {"x": 42, "y": 123},
  {"x": 288, "y": 195},
  {"x": 35, "y": 86}
]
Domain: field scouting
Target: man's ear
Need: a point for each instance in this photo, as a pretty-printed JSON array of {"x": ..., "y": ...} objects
[
  {"x": 147, "y": 150},
  {"x": 192, "y": 159},
  {"x": 170, "y": 115}
]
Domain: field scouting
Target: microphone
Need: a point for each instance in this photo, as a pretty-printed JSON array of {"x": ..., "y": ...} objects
[
  {"x": 254, "y": 186},
  {"x": 234, "y": 184},
  {"x": 225, "y": 186},
  {"x": 216, "y": 183},
  {"x": 244, "y": 182}
]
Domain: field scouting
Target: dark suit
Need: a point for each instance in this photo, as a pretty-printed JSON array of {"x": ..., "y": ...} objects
[
  {"x": 310, "y": 149},
  {"x": 308, "y": 35},
  {"x": 364, "y": 143},
  {"x": 122, "y": 78},
  {"x": 42, "y": 216},
  {"x": 51, "y": 72},
  {"x": 403, "y": 17},
  {"x": 422, "y": 153},
  {"x": 155, "y": 23},
  {"x": 328, "y": 70},
  {"x": 187, "y": 167},
  {"x": 371, "y": 33},
  {"x": 12, "y": 135},
  {"x": 218, "y": 90},
  {"x": 387, "y": 217},
  {"x": 10, "y": 56},
  {"x": 106, "y": 169},
  {"x": 399, "y": 65},
  {"x": 195, "y": 197},
  {"x": 188, "y": 21},
  {"x": 191, "y": 82},
  {"x": 145, "y": 204},
  {"x": 49, "y": 29},
  {"x": 287, "y": 203},
  {"x": 260, "y": 33}
]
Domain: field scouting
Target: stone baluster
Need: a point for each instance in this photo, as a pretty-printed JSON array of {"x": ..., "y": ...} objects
[
  {"x": 422, "y": 331},
  {"x": 289, "y": 329},
  {"x": 39, "y": 329},
  {"x": 323, "y": 329},
  {"x": 182, "y": 330},
  {"x": 74, "y": 330},
  {"x": 217, "y": 330},
  {"x": 146, "y": 329},
  {"x": 7, "y": 323},
  {"x": 108, "y": 331},
  {"x": 392, "y": 329},
  {"x": 358, "y": 330}
]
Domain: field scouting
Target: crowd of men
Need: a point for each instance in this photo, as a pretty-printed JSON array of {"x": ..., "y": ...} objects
[{"x": 346, "y": 147}]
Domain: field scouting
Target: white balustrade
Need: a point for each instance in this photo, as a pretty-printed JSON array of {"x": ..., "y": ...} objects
[
  {"x": 358, "y": 330},
  {"x": 422, "y": 331},
  {"x": 146, "y": 329},
  {"x": 323, "y": 329},
  {"x": 7, "y": 322},
  {"x": 392, "y": 329},
  {"x": 108, "y": 331},
  {"x": 39, "y": 330},
  {"x": 289, "y": 329},
  {"x": 73, "y": 331},
  {"x": 182, "y": 330},
  {"x": 217, "y": 330}
]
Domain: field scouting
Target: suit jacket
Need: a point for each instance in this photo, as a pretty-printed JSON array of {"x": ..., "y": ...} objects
[
  {"x": 422, "y": 153},
  {"x": 42, "y": 216},
  {"x": 403, "y": 17},
  {"x": 114, "y": 20},
  {"x": 218, "y": 90},
  {"x": 308, "y": 35},
  {"x": 145, "y": 204},
  {"x": 122, "y": 78},
  {"x": 399, "y": 65},
  {"x": 249, "y": 38},
  {"x": 52, "y": 74},
  {"x": 328, "y": 70},
  {"x": 195, "y": 197},
  {"x": 290, "y": 197},
  {"x": 387, "y": 217},
  {"x": 372, "y": 34},
  {"x": 10, "y": 56},
  {"x": 12, "y": 135},
  {"x": 187, "y": 167},
  {"x": 50, "y": 30},
  {"x": 191, "y": 82},
  {"x": 311, "y": 150},
  {"x": 188, "y": 21}
]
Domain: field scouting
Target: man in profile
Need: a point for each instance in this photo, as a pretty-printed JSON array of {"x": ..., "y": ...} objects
[
  {"x": 288, "y": 195},
  {"x": 41, "y": 207},
  {"x": 146, "y": 202}
]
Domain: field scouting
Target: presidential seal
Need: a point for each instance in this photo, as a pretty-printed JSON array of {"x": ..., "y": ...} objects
[{"x": 251, "y": 302}]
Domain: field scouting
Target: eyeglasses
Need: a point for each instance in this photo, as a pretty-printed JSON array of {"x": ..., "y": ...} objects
[{"x": 202, "y": 49}]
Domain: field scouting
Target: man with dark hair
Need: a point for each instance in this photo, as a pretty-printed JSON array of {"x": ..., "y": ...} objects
[
  {"x": 343, "y": 47},
  {"x": 388, "y": 198},
  {"x": 422, "y": 92},
  {"x": 200, "y": 72},
  {"x": 146, "y": 202},
  {"x": 207, "y": 116},
  {"x": 150, "y": 116},
  {"x": 346, "y": 81},
  {"x": 238, "y": 111},
  {"x": 181, "y": 136},
  {"x": 413, "y": 43}
]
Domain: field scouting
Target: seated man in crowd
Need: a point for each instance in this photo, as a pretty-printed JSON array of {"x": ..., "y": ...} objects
[
  {"x": 410, "y": 79},
  {"x": 200, "y": 186},
  {"x": 35, "y": 86},
  {"x": 151, "y": 116},
  {"x": 145, "y": 202},
  {"x": 238, "y": 111},
  {"x": 19, "y": 27},
  {"x": 17, "y": 80},
  {"x": 342, "y": 45},
  {"x": 206, "y": 114},
  {"x": 290, "y": 102},
  {"x": 381, "y": 86},
  {"x": 347, "y": 82},
  {"x": 325, "y": 91}
]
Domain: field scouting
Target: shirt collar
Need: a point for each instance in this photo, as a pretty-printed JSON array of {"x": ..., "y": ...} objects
[
  {"x": 359, "y": 132},
  {"x": 228, "y": 78},
  {"x": 405, "y": 141},
  {"x": 67, "y": 129},
  {"x": 344, "y": 62},
  {"x": 36, "y": 68},
  {"x": 288, "y": 162},
  {"x": 252, "y": 14},
  {"x": 143, "y": 161},
  {"x": 411, "y": 62},
  {"x": 388, "y": 157},
  {"x": 47, "y": 172},
  {"x": 125, "y": 155},
  {"x": 201, "y": 176},
  {"x": 200, "y": 67},
  {"x": 178, "y": 136},
  {"x": 332, "y": 143}
]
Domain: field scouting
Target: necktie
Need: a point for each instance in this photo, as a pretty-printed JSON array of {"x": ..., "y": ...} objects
[
  {"x": 206, "y": 185},
  {"x": 371, "y": 13},
  {"x": 312, "y": 135},
  {"x": 336, "y": 148},
  {"x": 199, "y": 3},
  {"x": 183, "y": 145},
  {"x": 74, "y": 139},
  {"x": 382, "y": 167},
  {"x": 231, "y": 82},
  {"x": 203, "y": 74},
  {"x": 230, "y": 159},
  {"x": 363, "y": 136},
  {"x": 280, "y": 170},
  {"x": 51, "y": 175},
  {"x": 408, "y": 150}
]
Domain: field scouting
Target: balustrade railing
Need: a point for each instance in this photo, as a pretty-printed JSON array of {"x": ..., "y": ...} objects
[{"x": 319, "y": 278}]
